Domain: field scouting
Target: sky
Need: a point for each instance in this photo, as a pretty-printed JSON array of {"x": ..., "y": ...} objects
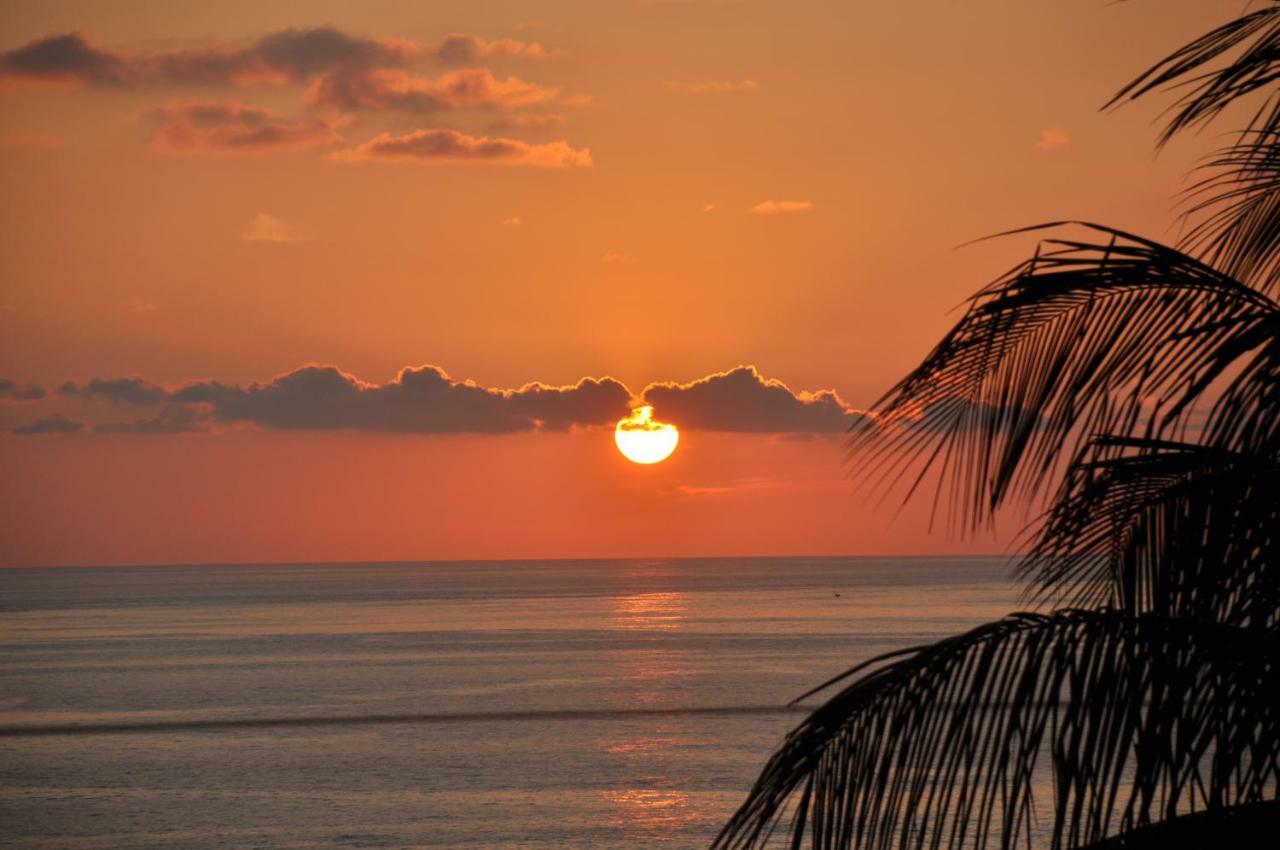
[{"x": 327, "y": 281}]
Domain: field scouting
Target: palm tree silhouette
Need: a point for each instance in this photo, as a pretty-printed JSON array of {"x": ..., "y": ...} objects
[{"x": 1132, "y": 389}]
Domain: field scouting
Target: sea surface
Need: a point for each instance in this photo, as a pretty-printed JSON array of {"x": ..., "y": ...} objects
[{"x": 518, "y": 704}]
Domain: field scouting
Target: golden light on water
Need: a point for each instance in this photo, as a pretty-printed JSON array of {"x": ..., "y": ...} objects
[{"x": 643, "y": 439}]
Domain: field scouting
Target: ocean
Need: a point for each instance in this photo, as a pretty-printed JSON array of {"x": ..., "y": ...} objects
[{"x": 518, "y": 704}]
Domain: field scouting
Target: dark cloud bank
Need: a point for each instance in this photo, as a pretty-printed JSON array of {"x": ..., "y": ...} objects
[
  {"x": 425, "y": 400},
  {"x": 12, "y": 391},
  {"x": 343, "y": 73},
  {"x": 285, "y": 56}
]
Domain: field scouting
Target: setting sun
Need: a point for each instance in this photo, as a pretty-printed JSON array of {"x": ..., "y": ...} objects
[{"x": 643, "y": 439}]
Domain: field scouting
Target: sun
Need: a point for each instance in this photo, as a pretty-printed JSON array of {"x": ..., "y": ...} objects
[{"x": 642, "y": 439}]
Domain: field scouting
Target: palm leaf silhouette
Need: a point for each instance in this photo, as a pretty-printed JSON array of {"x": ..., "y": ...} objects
[
  {"x": 1114, "y": 336},
  {"x": 1241, "y": 228},
  {"x": 1166, "y": 528},
  {"x": 1107, "y": 721},
  {"x": 1134, "y": 388}
]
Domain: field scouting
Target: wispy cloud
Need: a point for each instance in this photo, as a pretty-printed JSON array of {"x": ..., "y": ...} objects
[
  {"x": 392, "y": 89},
  {"x": 1052, "y": 138},
  {"x": 265, "y": 227},
  {"x": 55, "y": 424},
  {"x": 13, "y": 391},
  {"x": 778, "y": 207},
  {"x": 451, "y": 146},
  {"x": 736, "y": 487},
  {"x": 226, "y": 127},
  {"x": 618, "y": 258},
  {"x": 463, "y": 49}
]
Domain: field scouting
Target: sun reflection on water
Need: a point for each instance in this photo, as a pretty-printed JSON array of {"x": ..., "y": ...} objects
[
  {"x": 657, "y": 672},
  {"x": 655, "y": 810},
  {"x": 650, "y": 611}
]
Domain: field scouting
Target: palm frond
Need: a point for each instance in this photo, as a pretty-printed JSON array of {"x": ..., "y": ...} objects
[
  {"x": 1245, "y": 827},
  {"x": 1246, "y": 417},
  {"x": 1251, "y": 46},
  {"x": 1118, "y": 336},
  {"x": 1099, "y": 721},
  {"x": 1236, "y": 210},
  {"x": 1178, "y": 529}
]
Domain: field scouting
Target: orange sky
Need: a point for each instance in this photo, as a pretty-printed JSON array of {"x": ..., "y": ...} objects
[{"x": 205, "y": 197}]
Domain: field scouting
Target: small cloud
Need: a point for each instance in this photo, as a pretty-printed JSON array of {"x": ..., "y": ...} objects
[
  {"x": 739, "y": 486},
  {"x": 278, "y": 58},
  {"x": 269, "y": 229},
  {"x": 137, "y": 305},
  {"x": 711, "y": 86},
  {"x": 13, "y": 391},
  {"x": 513, "y": 221},
  {"x": 466, "y": 49},
  {"x": 617, "y": 258},
  {"x": 55, "y": 424},
  {"x": 1052, "y": 138},
  {"x": 776, "y": 207},
  {"x": 226, "y": 127},
  {"x": 64, "y": 59},
  {"x": 30, "y": 141},
  {"x": 578, "y": 101},
  {"x": 706, "y": 208},
  {"x": 450, "y": 146},
  {"x": 743, "y": 400},
  {"x": 117, "y": 390},
  {"x": 391, "y": 89}
]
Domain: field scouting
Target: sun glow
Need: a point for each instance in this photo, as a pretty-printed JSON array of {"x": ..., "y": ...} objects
[{"x": 642, "y": 439}]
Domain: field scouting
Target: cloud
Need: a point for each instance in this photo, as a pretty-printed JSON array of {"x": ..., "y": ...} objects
[
  {"x": 55, "y": 424},
  {"x": 172, "y": 419},
  {"x": 12, "y": 391},
  {"x": 117, "y": 391},
  {"x": 711, "y": 86},
  {"x": 227, "y": 127},
  {"x": 512, "y": 221},
  {"x": 464, "y": 49},
  {"x": 1051, "y": 138},
  {"x": 618, "y": 258},
  {"x": 282, "y": 57},
  {"x": 278, "y": 58},
  {"x": 63, "y": 59},
  {"x": 390, "y": 89},
  {"x": 777, "y": 207},
  {"x": 267, "y": 228},
  {"x": 736, "y": 487},
  {"x": 420, "y": 400},
  {"x": 426, "y": 400},
  {"x": 450, "y": 146},
  {"x": 741, "y": 399}
]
